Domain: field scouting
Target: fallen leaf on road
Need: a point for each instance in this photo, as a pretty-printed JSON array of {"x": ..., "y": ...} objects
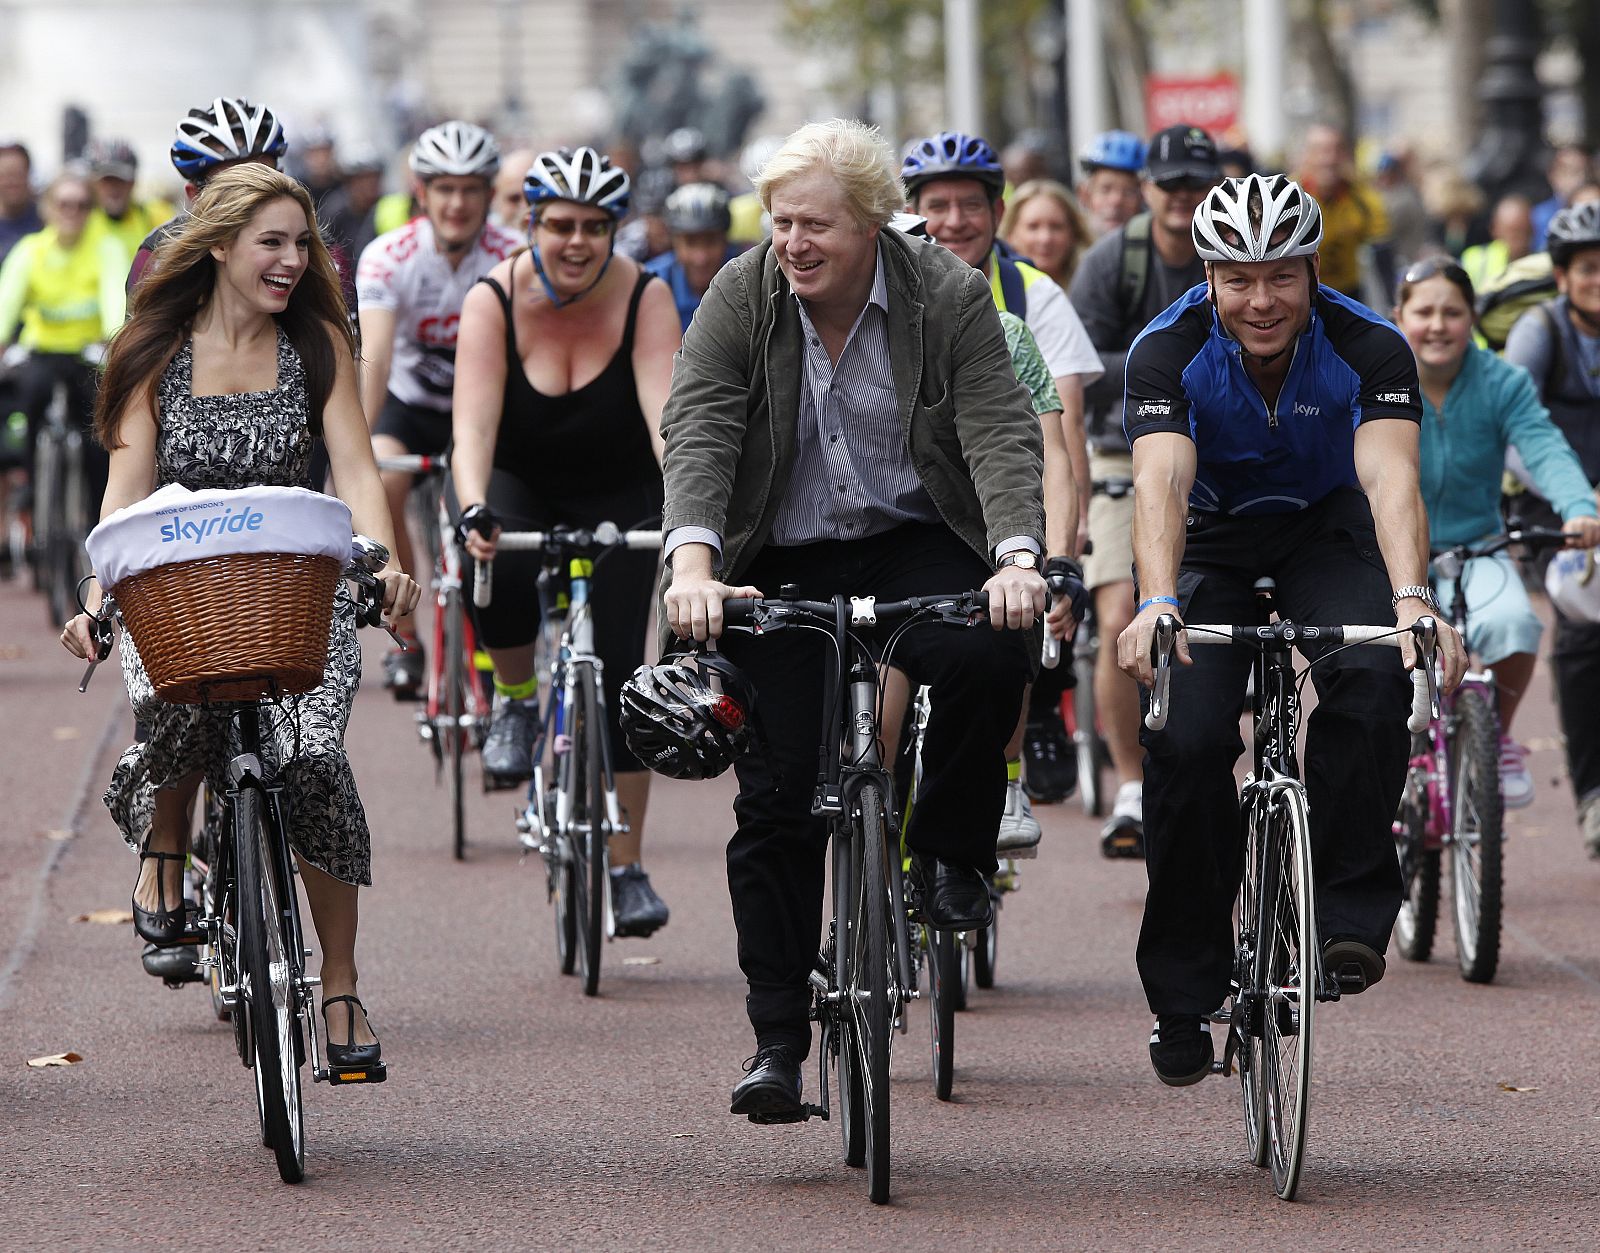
[
  {"x": 109, "y": 917},
  {"x": 1542, "y": 744},
  {"x": 66, "y": 733},
  {"x": 641, "y": 961},
  {"x": 12, "y": 652},
  {"x": 55, "y": 1059},
  {"x": 1507, "y": 1087},
  {"x": 58, "y": 833}
]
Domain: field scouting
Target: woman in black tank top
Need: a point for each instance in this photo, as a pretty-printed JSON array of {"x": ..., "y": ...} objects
[{"x": 580, "y": 449}]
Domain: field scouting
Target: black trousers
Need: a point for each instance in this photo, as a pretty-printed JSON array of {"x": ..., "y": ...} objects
[
  {"x": 777, "y": 857},
  {"x": 1328, "y": 570},
  {"x": 36, "y": 390},
  {"x": 1575, "y": 661}
]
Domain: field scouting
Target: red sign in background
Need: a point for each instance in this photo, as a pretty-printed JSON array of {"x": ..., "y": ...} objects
[{"x": 1211, "y": 103}]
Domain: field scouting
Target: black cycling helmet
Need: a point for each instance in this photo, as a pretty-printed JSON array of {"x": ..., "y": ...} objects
[
  {"x": 1572, "y": 229},
  {"x": 677, "y": 725}
]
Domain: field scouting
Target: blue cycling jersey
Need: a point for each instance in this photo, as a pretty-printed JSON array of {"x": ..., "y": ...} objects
[
  {"x": 1185, "y": 374},
  {"x": 666, "y": 266}
]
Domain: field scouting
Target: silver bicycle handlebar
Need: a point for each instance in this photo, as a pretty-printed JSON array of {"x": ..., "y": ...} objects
[{"x": 606, "y": 535}]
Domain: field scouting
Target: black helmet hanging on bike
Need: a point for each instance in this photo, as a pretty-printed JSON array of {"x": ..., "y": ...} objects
[{"x": 678, "y": 725}]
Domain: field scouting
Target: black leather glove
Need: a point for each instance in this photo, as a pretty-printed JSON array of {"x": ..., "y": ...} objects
[
  {"x": 479, "y": 518},
  {"x": 1064, "y": 577}
]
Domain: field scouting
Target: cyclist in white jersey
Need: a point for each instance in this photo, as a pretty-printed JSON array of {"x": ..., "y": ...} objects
[{"x": 411, "y": 283}]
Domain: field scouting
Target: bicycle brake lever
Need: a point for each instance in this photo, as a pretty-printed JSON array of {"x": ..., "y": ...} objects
[{"x": 103, "y": 639}]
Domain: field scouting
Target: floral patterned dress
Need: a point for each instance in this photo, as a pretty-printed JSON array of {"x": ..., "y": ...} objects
[{"x": 249, "y": 440}]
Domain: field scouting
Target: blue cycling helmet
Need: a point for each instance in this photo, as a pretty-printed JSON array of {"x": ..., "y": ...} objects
[
  {"x": 1113, "y": 150},
  {"x": 229, "y": 129},
  {"x": 952, "y": 154}
]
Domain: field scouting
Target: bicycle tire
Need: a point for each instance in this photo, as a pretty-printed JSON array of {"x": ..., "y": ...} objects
[
  {"x": 215, "y": 902},
  {"x": 843, "y": 1037},
  {"x": 986, "y": 954},
  {"x": 964, "y": 978},
  {"x": 1289, "y": 960},
  {"x": 1245, "y": 1020},
  {"x": 868, "y": 987},
  {"x": 944, "y": 974},
  {"x": 1087, "y": 746},
  {"x": 274, "y": 1011},
  {"x": 590, "y": 776},
  {"x": 1477, "y": 849},
  {"x": 1418, "y": 920},
  {"x": 449, "y": 725}
]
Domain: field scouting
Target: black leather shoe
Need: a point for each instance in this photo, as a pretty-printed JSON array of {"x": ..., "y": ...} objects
[
  {"x": 770, "y": 1089},
  {"x": 173, "y": 964},
  {"x": 1181, "y": 1049},
  {"x": 956, "y": 899},
  {"x": 165, "y": 924},
  {"x": 1355, "y": 965},
  {"x": 350, "y": 1056}
]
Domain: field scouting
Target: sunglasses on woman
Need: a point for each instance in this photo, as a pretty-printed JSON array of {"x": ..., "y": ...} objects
[{"x": 565, "y": 228}]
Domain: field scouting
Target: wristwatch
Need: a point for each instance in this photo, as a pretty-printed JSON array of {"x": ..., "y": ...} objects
[
  {"x": 1415, "y": 591},
  {"x": 1021, "y": 558}
]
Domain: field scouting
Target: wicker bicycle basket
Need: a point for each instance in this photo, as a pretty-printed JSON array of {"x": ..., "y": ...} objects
[{"x": 232, "y": 628}]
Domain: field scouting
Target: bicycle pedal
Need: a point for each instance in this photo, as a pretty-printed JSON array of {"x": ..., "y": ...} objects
[
  {"x": 375, "y": 1073},
  {"x": 1020, "y": 854},
  {"x": 779, "y": 1120}
]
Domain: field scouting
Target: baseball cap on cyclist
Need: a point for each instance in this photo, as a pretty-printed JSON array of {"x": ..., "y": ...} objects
[
  {"x": 229, "y": 129},
  {"x": 678, "y": 725},
  {"x": 952, "y": 154},
  {"x": 459, "y": 149},
  {"x": 1573, "y": 229},
  {"x": 1181, "y": 152},
  {"x": 1257, "y": 218},
  {"x": 113, "y": 158},
  {"x": 698, "y": 207},
  {"x": 1113, "y": 150}
]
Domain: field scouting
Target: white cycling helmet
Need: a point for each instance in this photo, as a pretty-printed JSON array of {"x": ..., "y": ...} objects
[
  {"x": 1257, "y": 218},
  {"x": 580, "y": 175},
  {"x": 455, "y": 148},
  {"x": 229, "y": 129}
]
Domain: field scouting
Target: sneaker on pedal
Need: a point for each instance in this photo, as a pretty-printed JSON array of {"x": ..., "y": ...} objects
[
  {"x": 1516, "y": 783},
  {"x": 1181, "y": 1049},
  {"x": 1019, "y": 829},
  {"x": 634, "y": 903},
  {"x": 404, "y": 673},
  {"x": 1589, "y": 820},
  {"x": 1049, "y": 765},
  {"x": 1123, "y": 833},
  {"x": 508, "y": 750}
]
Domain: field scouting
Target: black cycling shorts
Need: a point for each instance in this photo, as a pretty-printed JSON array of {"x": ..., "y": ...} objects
[{"x": 423, "y": 432}]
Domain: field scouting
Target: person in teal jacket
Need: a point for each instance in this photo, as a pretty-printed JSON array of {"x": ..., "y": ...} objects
[{"x": 1475, "y": 405}]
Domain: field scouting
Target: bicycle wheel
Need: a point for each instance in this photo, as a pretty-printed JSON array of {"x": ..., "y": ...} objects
[
  {"x": 867, "y": 987},
  {"x": 590, "y": 832},
  {"x": 212, "y": 864},
  {"x": 943, "y": 950},
  {"x": 1476, "y": 845},
  {"x": 842, "y": 1037},
  {"x": 1245, "y": 1021},
  {"x": 1419, "y": 866},
  {"x": 562, "y": 879},
  {"x": 964, "y": 971},
  {"x": 269, "y": 974},
  {"x": 987, "y": 953},
  {"x": 1289, "y": 962},
  {"x": 451, "y": 706},
  {"x": 1086, "y": 743}
]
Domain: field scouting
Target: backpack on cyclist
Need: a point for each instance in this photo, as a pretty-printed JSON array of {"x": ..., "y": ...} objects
[
  {"x": 1012, "y": 288},
  {"x": 1134, "y": 265},
  {"x": 1526, "y": 282}
]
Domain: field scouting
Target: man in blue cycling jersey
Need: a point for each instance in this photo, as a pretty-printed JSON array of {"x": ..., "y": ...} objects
[
  {"x": 698, "y": 220},
  {"x": 1274, "y": 425}
]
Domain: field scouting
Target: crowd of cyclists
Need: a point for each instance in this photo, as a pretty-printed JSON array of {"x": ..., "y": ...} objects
[{"x": 1225, "y": 370}]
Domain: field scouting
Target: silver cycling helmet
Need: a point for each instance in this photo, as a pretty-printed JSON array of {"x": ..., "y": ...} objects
[
  {"x": 1257, "y": 218},
  {"x": 580, "y": 175},
  {"x": 460, "y": 149},
  {"x": 1571, "y": 229},
  {"x": 229, "y": 129},
  {"x": 697, "y": 207}
]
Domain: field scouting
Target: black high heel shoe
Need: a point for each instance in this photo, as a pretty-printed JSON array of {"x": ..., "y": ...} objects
[
  {"x": 163, "y": 926},
  {"x": 350, "y": 1056}
]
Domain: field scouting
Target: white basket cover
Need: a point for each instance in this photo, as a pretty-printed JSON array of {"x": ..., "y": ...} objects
[
  {"x": 175, "y": 524},
  {"x": 1572, "y": 581}
]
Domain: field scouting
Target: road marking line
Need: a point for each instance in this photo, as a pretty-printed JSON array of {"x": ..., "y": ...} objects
[
  {"x": 1522, "y": 937},
  {"x": 56, "y": 851}
]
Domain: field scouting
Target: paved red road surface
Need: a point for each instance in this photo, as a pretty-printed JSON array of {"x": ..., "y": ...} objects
[{"x": 519, "y": 1114}]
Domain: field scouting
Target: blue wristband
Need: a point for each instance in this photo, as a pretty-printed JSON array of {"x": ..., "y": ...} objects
[{"x": 1160, "y": 600}]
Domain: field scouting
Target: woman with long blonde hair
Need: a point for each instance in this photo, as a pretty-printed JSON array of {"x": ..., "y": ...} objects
[
  {"x": 237, "y": 353},
  {"x": 1044, "y": 224}
]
